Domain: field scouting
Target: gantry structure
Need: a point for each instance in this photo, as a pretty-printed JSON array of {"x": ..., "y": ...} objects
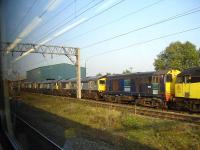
[{"x": 70, "y": 52}]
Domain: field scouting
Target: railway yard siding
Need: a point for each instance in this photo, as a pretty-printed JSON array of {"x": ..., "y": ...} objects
[{"x": 107, "y": 127}]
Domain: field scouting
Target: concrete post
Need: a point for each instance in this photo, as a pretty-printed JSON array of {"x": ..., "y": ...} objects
[{"x": 78, "y": 74}]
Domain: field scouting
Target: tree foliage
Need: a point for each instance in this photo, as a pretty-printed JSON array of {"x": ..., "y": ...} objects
[
  {"x": 199, "y": 55},
  {"x": 99, "y": 74},
  {"x": 178, "y": 56},
  {"x": 127, "y": 71},
  {"x": 108, "y": 73}
]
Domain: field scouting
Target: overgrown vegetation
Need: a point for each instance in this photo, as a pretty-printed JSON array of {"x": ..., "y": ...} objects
[
  {"x": 178, "y": 56},
  {"x": 117, "y": 128}
]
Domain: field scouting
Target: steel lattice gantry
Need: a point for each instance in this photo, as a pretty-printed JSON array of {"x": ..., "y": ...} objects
[{"x": 70, "y": 52}]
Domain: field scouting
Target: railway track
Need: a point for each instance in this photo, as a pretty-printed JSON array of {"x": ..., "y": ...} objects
[
  {"x": 169, "y": 115},
  {"x": 52, "y": 144},
  {"x": 162, "y": 114}
]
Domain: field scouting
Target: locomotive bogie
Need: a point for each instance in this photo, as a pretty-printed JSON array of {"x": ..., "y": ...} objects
[{"x": 150, "y": 102}]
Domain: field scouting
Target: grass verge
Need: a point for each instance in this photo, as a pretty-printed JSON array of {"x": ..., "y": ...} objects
[{"x": 119, "y": 126}]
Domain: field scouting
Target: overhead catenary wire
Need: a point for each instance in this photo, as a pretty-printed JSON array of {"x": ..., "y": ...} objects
[
  {"x": 120, "y": 1},
  {"x": 116, "y": 20},
  {"x": 168, "y": 18},
  {"x": 143, "y": 42},
  {"x": 56, "y": 14},
  {"x": 60, "y": 25},
  {"x": 88, "y": 19},
  {"x": 46, "y": 10},
  {"x": 60, "y": 11},
  {"x": 144, "y": 27},
  {"x": 22, "y": 20},
  {"x": 29, "y": 28},
  {"x": 137, "y": 43}
]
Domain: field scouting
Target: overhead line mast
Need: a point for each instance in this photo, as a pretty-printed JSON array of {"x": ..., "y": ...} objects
[{"x": 70, "y": 52}]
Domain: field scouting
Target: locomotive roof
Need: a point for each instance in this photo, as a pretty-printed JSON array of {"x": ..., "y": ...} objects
[
  {"x": 92, "y": 78},
  {"x": 68, "y": 80},
  {"x": 45, "y": 81},
  {"x": 49, "y": 81},
  {"x": 163, "y": 72},
  {"x": 192, "y": 71},
  {"x": 139, "y": 74},
  {"x": 160, "y": 72}
]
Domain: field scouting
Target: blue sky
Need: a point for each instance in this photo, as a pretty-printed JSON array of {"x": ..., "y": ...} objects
[{"x": 140, "y": 57}]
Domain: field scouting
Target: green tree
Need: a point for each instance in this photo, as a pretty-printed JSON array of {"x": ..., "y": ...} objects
[
  {"x": 108, "y": 73},
  {"x": 99, "y": 74},
  {"x": 178, "y": 56},
  {"x": 127, "y": 71},
  {"x": 199, "y": 55}
]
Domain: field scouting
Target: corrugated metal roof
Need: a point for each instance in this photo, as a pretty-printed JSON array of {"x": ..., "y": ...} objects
[{"x": 56, "y": 72}]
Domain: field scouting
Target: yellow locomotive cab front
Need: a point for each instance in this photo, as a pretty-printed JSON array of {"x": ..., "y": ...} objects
[
  {"x": 170, "y": 84},
  {"x": 187, "y": 88},
  {"x": 102, "y": 84}
]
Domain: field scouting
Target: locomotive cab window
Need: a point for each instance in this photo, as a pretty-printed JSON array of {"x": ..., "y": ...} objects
[
  {"x": 195, "y": 79},
  {"x": 169, "y": 78},
  {"x": 102, "y": 82}
]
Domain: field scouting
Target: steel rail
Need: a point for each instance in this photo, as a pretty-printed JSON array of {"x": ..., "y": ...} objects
[
  {"x": 38, "y": 132},
  {"x": 150, "y": 112},
  {"x": 162, "y": 114}
]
